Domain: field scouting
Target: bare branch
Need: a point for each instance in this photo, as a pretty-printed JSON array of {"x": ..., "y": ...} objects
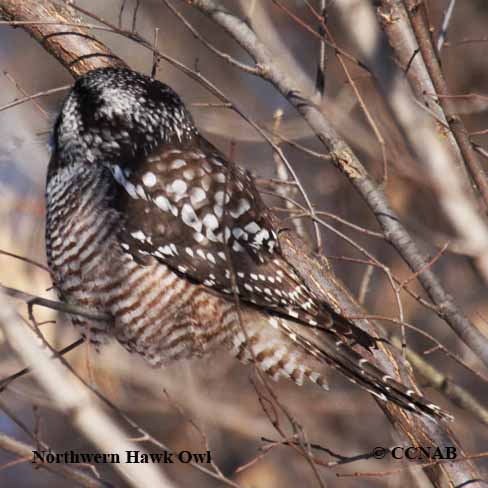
[{"x": 74, "y": 475}]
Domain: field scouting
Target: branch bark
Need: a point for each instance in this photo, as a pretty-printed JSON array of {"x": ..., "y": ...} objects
[{"x": 74, "y": 47}]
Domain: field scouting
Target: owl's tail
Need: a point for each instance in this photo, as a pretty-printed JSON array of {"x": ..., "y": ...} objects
[{"x": 288, "y": 349}]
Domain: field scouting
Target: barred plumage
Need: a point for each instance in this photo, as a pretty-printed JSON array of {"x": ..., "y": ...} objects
[{"x": 151, "y": 224}]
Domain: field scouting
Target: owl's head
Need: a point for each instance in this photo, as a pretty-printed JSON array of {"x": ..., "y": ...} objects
[{"x": 118, "y": 114}]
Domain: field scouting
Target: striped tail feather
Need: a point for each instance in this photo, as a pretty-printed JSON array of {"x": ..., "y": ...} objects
[
  {"x": 273, "y": 352},
  {"x": 291, "y": 350},
  {"x": 338, "y": 354}
]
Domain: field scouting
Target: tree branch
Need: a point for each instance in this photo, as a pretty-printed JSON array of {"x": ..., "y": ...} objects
[
  {"x": 74, "y": 47},
  {"x": 431, "y": 60},
  {"x": 66, "y": 471},
  {"x": 441, "y": 156}
]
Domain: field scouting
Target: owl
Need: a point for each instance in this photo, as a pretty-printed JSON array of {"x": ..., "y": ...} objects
[{"x": 149, "y": 223}]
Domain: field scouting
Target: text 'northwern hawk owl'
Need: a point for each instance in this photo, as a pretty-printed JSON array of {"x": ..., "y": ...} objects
[{"x": 152, "y": 225}]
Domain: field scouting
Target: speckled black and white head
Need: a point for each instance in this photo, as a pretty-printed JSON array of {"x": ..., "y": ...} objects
[{"x": 116, "y": 115}]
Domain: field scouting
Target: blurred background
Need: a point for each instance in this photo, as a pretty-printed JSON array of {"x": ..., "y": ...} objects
[{"x": 216, "y": 393}]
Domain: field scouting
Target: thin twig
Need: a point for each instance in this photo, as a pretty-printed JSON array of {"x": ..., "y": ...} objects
[
  {"x": 34, "y": 96},
  {"x": 53, "y": 305},
  {"x": 445, "y": 24},
  {"x": 6, "y": 381},
  {"x": 75, "y": 475}
]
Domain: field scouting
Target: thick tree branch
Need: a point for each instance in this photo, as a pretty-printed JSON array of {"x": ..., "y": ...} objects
[
  {"x": 74, "y": 47},
  {"x": 429, "y": 138},
  {"x": 431, "y": 60}
]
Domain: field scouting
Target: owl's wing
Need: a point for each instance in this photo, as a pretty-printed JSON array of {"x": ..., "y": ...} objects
[{"x": 203, "y": 217}]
